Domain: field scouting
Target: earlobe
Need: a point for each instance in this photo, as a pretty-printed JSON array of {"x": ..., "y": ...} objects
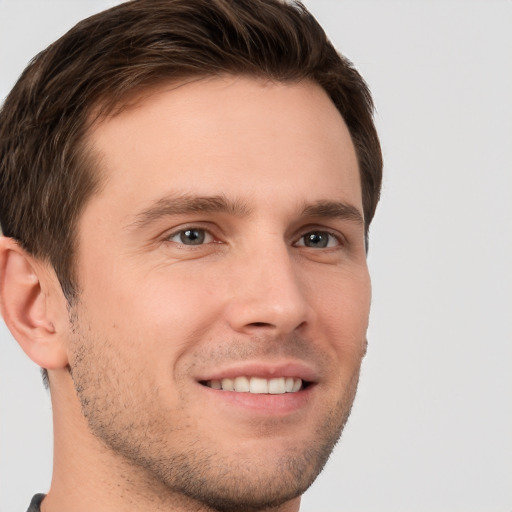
[{"x": 25, "y": 288}]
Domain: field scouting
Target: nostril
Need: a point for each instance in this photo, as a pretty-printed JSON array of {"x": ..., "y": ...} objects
[{"x": 260, "y": 324}]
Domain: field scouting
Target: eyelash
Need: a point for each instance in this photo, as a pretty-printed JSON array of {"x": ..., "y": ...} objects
[{"x": 207, "y": 234}]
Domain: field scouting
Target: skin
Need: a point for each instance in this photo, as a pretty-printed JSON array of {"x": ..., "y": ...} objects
[{"x": 135, "y": 426}]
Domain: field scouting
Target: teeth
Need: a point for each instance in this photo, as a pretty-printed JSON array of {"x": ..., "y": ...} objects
[
  {"x": 216, "y": 384},
  {"x": 297, "y": 384},
  {"x": 242, "y": 384},
  {"x": 258, "y": 385},
  {"x": 277, "y": 386},
  {"x": 226, "y": 384}
]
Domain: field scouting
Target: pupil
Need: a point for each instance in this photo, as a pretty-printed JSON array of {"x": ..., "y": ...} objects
[
  {"x": 192, "y": 237},
  {"x": 316, "y": 240}
]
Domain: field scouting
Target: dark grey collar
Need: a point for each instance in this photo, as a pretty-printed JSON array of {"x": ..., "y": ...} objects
[{"x": 36, "y": 502}]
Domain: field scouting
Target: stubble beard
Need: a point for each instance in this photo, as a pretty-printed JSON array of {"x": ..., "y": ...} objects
[{"x": 192, "y": 472}]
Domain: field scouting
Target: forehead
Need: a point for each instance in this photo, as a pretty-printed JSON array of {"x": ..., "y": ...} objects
[{"x": 249, "y": 138}]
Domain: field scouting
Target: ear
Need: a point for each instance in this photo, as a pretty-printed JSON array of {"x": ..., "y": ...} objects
[{"x": 29, "y": 306}]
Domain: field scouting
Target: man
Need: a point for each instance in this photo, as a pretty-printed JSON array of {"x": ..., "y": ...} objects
[{"x": 187, "y": 187}]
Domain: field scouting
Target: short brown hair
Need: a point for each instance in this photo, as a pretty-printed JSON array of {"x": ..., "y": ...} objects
[{"x": 45, "y": 174}]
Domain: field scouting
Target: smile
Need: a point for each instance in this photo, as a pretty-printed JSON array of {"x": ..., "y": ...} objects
[{"x": 258, "y": 385}]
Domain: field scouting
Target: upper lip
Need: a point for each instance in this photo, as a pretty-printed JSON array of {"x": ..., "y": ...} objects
[{"x": 262, "y": 369}]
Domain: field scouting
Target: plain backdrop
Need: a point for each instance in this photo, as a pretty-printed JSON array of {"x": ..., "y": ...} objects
[{"x": 431, "y": 429}]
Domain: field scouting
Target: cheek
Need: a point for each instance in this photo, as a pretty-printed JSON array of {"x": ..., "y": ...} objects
[
  {"x": 343, "y": 311},
  {"x": 151, "y": 318},
  {"x": 344, "y": 295}
]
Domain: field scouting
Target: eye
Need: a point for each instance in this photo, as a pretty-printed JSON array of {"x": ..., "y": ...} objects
[
  {"x": 191, "y": 236},
  {"x": 318, "y": 240}
]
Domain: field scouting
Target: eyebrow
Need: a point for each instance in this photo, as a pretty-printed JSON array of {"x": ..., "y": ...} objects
[
  {"x": 187, "y": 204},
  {"x": 333, "y": 209}
]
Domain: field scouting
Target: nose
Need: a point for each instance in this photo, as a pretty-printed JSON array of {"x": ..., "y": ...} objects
[{"x": 269, "y": 293}]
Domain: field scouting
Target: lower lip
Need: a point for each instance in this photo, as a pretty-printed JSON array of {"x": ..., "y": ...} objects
[{"x": 263, "y": 404}]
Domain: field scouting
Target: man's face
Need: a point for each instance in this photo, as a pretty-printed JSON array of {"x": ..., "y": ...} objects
[{"x": 225, "y": 249}]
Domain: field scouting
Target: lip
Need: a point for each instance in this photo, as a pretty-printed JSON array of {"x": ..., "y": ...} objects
[
  {"x": 262, "y": 405},
  {"x": 265, "y": 370}
]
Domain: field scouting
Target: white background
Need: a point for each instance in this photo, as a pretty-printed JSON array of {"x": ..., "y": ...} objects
[{"x": 431, "y": 429}]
